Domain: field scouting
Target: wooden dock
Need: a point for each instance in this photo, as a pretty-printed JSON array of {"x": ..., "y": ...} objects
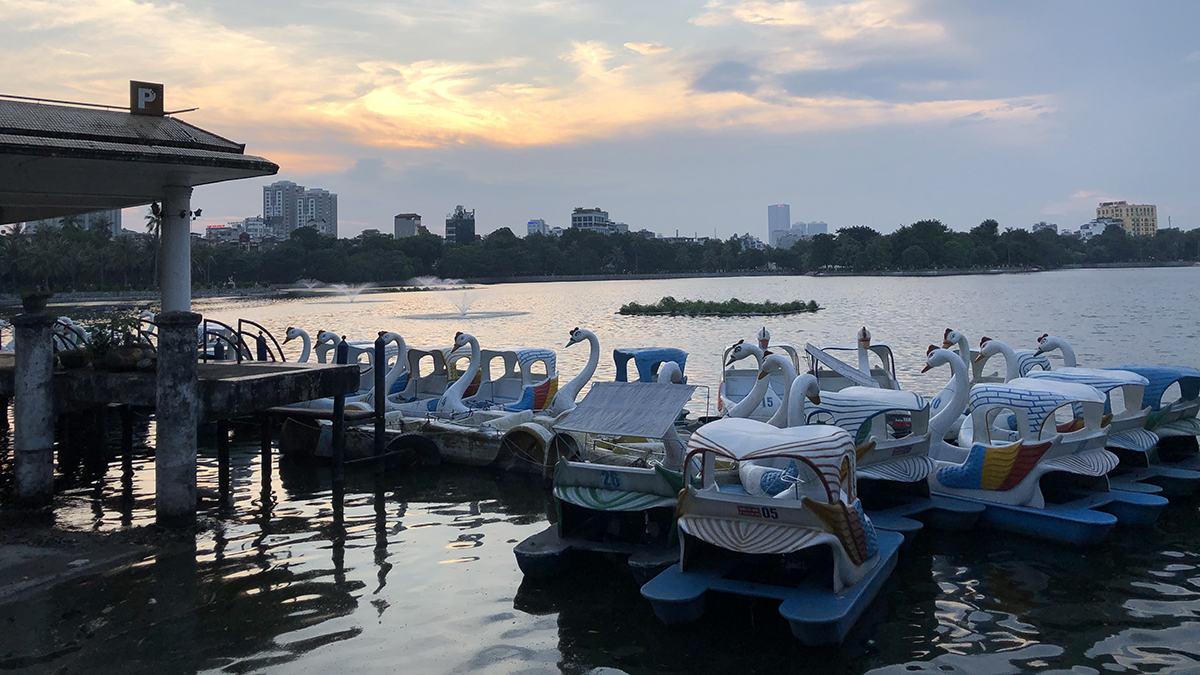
[{"x": 227, "y": 389}]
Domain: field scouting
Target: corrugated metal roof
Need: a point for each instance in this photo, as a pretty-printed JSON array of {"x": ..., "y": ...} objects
[
  {"x": 92, "y": 149},
  {"x": 645, "y": 409},
  {"x": 23, "y": 118}
]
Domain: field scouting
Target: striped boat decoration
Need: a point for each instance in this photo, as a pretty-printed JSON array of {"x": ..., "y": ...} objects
[
  {"x": 852, "y": 407},
  {"x": 535, "y": 397},
  {"x": 1188, "y": 426},
  {"x": 752, "y": 537},
  {"x": 903, "y": 470},
  {"x": 527, "y": 355},
  {"x": 601, "y": 499},
  {"x": 822, "y": 448},
  {"x": 1162, "y": 377},
  {"x": 849, "y": 525},
  {"x": 1104, "y": 380},
  {"x": 1138, "y": 440},
  {"x": 996, "y": 468},
  {"x": 1028, "y": 360},
  {"x": 1090, "y": 463},
  {"x": 1038, "y": 405}
]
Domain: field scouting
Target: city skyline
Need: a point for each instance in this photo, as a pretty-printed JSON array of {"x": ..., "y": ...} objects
[{"x": 692, "y": 115}]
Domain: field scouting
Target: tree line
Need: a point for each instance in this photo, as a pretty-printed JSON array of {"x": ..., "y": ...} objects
[{"x": 71, "y": 257}]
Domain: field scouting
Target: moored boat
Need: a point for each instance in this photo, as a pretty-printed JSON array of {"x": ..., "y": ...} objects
[{"x": 737, "y": 542}]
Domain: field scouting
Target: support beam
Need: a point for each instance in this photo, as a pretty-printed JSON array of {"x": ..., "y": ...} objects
[
  {"x": 175, "y": 269},
  {"x": 178, "y": 413},
  {"x": 33, "y": 409}
]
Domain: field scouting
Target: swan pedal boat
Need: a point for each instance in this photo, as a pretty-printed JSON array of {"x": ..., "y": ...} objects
[
  {"x": 892, "y": 468},
  {"x": 1174, "y": 420},
  {"x": 1004, "y": 469},
  {"x": 727, "y": 533},
  {"x": 1128, "y": 438},
  {"x": 737, "y": 383},
  {"x": 607, "y": 504}
]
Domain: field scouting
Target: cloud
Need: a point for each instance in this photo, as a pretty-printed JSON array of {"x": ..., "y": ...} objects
[
  {"x": 836, "y": 22},
  {"x": 301, "y": 92},
  {"x": 1080, "y": 201},
  {"x": 1194, "y": 57},
  {"x": 647, "y": 48}
]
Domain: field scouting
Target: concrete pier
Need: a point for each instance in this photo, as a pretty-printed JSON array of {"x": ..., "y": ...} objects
[
  {"x": 33, "y": 409},
  {"x": 178, "y": 413}
]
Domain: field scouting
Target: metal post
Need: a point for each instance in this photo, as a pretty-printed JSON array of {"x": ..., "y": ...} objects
[
  {"x": 33, "y": 408},
  {"x": 260, "y": 346},
  {"x": 380, "y": 398},
  {"x": 177, "y": 414},
  {"x": 176, "y": 234},
  {"x": 342, "y": 356}
]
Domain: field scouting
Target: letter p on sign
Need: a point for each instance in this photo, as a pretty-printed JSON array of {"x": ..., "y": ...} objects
[{"x": 145, "y": 98}]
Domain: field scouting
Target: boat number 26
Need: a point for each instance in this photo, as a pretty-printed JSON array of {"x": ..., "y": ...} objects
[{"x": 611, "y": 479}]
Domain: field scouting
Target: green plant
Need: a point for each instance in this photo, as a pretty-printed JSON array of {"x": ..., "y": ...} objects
[{"x": 111, "y": 332}]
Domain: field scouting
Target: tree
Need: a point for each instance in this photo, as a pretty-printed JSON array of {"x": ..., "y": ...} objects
[{"x": 914, "y": 257}]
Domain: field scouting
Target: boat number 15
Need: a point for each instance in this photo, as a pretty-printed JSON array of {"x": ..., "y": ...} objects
[{"x": 611, "y": 479}]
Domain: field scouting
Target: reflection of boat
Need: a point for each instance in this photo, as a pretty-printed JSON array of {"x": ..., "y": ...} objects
[
  {"x": 734, "y": 541},
  {"x": 618, "y": 497},
  {"x": 1035, "y": 475}
]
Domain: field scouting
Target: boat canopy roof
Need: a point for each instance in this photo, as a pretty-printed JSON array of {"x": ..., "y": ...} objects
[
  {"x": 1104, "y": 380},
  {"x": 851, "y": 407},
  {"x": 1027, "y": 392},
  {"x": 646, "y": 360},
  {"x": 1162, "y": 377},
  {"x": 881, "y": 350},
  {"x": 824, "y": 448},
  {"x": 645, "y": 409},
  {"x": 841, "y": 367}
]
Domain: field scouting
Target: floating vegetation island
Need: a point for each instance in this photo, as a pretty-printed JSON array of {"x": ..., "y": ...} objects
[{"x": 669, "y": 306}]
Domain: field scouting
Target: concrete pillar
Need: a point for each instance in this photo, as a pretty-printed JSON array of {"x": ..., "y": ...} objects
[
  {"x": 176, "y": 232},
  {"x": 33, "y": 409},
  {"x": 177, "y": 414}
]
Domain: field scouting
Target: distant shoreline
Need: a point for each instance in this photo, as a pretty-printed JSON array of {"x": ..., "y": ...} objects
[{"x": 9, "y": 300}]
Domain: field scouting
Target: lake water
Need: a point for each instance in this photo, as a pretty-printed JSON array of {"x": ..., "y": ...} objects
[{"x": 422, "y": 578}]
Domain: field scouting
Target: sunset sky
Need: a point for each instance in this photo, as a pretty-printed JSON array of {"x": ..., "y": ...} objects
[{"x": 687, "y": 115}]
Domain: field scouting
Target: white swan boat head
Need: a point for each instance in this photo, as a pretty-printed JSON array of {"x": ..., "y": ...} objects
[{"x": 819, "y": 508}]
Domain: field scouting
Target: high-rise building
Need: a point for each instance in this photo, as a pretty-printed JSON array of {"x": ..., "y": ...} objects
[
  {"x": 779, "y": 217},
  {"x": 281, "y": 206},
  {"x": 1043, "y": 225},
  {"x": 537, "y": 226},
  {"x": 816, "y": 227},
  {"x": 318, "y": 208},
  {"x": 407, "y": 224},
  {"x": 287, "y": 206},
  {"x": 1137, "y": 219},
  {"x": 460, "y": 226}
]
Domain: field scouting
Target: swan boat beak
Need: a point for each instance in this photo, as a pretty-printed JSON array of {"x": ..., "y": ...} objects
[
  {"x": 815, "y": 398},
  {"x": 980, "y": 358},
  {"x": 927, "y": 368},
  {"x": 946, "y": 344}
]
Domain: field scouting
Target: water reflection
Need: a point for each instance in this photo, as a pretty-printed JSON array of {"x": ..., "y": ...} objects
[{"x": 414, "y": 570}]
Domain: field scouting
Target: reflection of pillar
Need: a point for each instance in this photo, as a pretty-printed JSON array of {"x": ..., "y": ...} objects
[
  {"x": 177, "y": 416},
  {"x": 176, "y": 233},
  {"x": 33, "y": 408}
]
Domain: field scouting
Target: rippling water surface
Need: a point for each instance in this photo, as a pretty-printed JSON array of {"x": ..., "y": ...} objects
[{"x": 417, "y": 575}]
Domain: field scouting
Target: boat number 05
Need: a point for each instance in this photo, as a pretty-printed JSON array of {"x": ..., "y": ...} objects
[
  {"x": 757, "y": 511},
  {"x": 611, "y": 479}
]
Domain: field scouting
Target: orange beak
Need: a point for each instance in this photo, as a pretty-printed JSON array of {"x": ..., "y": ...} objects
[
  {"x": 946, "y": 344},
  {"x": 980, "y": 358},
  {"x": 927, "y": 368},
  {"x": 816, "y": 399}
]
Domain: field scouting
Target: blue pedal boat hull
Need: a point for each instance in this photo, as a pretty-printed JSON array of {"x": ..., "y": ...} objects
[
  {"x": 1086, "y": 520},
  {"x": 817, "y": 616}
]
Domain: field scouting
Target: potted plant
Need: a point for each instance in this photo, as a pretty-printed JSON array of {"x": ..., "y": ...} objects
[{"x": 113, "y": 344}]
